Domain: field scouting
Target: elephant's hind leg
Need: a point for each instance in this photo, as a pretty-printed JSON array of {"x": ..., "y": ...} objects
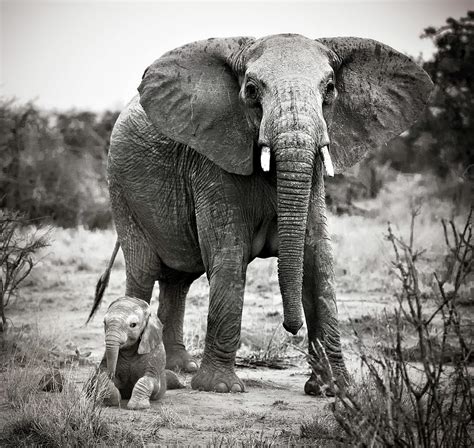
[
  {"x": 319, "y": 297},
  {"x": 171, "y": 313},
  {"x": 142, "y": 264}
]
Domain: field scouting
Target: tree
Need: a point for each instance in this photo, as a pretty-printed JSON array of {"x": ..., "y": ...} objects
[{"x": 451, "y": 114}]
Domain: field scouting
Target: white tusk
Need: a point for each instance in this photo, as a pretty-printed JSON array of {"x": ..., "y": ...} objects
[
  {"x": 265, "y": 158},
  {"x": 328, "y": 166}
]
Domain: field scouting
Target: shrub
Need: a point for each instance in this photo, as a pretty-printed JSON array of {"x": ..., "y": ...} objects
[
  {"x": 17, "y": 247},
  {"x": 399, "y": 403}
]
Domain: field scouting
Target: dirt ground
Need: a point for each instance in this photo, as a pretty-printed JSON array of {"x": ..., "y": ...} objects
[{"x": 56, "y": 299}]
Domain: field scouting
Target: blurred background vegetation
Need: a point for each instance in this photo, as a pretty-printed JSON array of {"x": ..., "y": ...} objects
[{"x": 53, "y": 163}]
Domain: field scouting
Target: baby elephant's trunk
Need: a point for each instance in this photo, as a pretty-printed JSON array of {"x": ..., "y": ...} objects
[{"x": 113, "y": 340}]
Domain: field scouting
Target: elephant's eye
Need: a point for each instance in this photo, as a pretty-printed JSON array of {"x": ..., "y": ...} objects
[
  {"x": 133, "y": 325},
  {"x": 330, "y": 92},
  {"x": 251, "y": 91}
]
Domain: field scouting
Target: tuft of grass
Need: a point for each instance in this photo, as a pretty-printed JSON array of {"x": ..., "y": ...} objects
[
  {"x": 251, "y": 440},
  {"x": 270, "y": 349},
  {"x": 322, "y": 431},
  {"x": 73, "y": 417},
  {"x": 166, "y": 417}
]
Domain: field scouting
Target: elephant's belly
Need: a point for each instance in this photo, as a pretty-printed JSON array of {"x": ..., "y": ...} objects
[
  {"x": 265, "y": 240},
  {"x": 175, "y": 241}
]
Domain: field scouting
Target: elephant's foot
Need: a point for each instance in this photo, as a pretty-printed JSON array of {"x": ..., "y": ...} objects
[
  {"x": 317, "y": 386},
  {"x": 177, "y": 358},
  {"x": 112, "y": 396},
  {"x": 217, "y": 380},
  {"x": 135, "y": 403}
]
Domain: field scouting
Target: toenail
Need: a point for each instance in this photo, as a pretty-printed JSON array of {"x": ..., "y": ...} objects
[
  {"x": 236, "y": 388},
  {"x": 222, "y": 388},
  {"x": 191, "y": 366}
]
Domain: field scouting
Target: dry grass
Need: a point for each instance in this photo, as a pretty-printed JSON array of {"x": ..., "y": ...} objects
[
  {"x": 362, "y": 254},
  {"x": 71, "y": 417}
]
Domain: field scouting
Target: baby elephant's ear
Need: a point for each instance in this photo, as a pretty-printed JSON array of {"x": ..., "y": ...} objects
[{"x": 151, "y": 336}]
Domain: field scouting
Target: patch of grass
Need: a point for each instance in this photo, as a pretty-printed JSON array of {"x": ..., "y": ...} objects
[
  {"x": 73, "y": 417},
  {"x": 322, "y": 431},
  {"x": 261, "y": 384},
  {"x": 380, "y": 326},
  {"x": 362, "y": 254},
  {"x": 167, "y": 417},
  {"x": 271, "y": 349},
  {"x": 251, "y": 440}
]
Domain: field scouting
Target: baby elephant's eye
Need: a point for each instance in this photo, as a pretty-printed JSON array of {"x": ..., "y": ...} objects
[{"x": 133, "y": 325}]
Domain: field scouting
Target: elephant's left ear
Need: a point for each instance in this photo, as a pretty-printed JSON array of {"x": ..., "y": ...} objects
[
  {"x": 151, "y": 336},
  {"x": 381, "y": 93},
  {"x": 191, "y": 94}
]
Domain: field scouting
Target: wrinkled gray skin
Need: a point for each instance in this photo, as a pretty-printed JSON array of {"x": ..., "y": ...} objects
[
  {"x": 189, "y": 196},
  {"x": 135, "y": 356}
]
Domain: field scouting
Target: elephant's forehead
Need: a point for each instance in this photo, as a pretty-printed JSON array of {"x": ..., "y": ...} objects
[
  {"x": 284, "y": 54},
  {"x": 125, "y": 307}
]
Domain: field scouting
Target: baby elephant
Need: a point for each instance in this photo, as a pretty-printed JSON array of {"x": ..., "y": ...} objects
[{"x": 135, "y": 356}]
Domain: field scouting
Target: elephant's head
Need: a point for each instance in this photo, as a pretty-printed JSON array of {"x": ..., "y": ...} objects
[
  {"x": 233, "y": 97},
  {"x": 128, "y": 323}
]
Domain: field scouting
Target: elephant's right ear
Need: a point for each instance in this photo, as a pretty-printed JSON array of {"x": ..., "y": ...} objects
[
  {"x": 191, "y": 94},
  {"x": 381, "y": 93}
]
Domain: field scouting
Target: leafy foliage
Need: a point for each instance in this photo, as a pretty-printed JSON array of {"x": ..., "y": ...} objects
[{"x": 52, "y": 165}]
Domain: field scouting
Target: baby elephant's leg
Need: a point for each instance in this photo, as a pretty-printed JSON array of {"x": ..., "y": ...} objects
[
  {"x": 111, "y": 393},
  {"x": 144, "y": 388}
]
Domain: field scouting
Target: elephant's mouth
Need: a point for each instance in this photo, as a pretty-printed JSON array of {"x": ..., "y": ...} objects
[{"x": 265, "y": 157}]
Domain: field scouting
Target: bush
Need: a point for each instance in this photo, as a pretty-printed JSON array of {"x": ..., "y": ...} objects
[{"x": 17, "y": 247}]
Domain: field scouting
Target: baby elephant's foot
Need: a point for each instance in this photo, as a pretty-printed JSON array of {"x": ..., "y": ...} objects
[
  {"x": 217, "y": 380},
  {"x": 135, "y": 404},
  {"x": 177, "y": 358},
  {"x": 111, "y": 395},
  {"x": 144, "y": 388}
]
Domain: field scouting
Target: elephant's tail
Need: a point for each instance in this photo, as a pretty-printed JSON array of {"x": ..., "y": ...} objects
[{"x": 103, "y": 282}]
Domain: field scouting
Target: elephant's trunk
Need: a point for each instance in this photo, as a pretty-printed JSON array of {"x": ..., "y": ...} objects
[
  {"x": 297, "y": 129},
  {"x": 294, "y": 165},
  {"x": 113, "y": 340}
]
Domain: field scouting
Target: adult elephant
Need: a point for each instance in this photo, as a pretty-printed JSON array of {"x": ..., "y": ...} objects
[{"x": 189, "y": 194}]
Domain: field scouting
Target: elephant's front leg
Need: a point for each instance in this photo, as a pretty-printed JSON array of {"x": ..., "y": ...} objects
[
  {"x": 227, "y": 284},
  {"x": 146, "y": 387},
  {"x": 111, "y": 393},
  {"x": 319, "y": 298}
]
